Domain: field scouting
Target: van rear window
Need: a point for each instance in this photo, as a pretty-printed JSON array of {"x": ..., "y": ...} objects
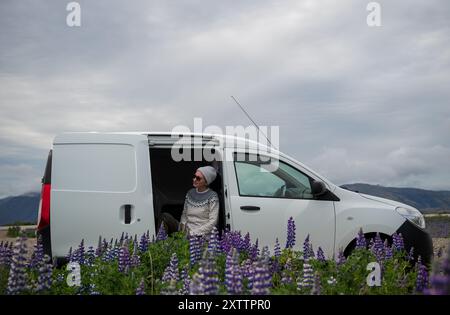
[{"x": 94, "y": 167}]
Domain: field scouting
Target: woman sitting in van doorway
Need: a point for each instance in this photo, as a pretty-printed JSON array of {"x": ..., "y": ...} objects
[{"x": 201, "y": 206}]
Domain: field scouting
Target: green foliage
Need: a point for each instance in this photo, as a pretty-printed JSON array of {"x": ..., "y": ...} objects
[
  {"x": 16, "y": 231},
  {"x": 101, "y": 277}
]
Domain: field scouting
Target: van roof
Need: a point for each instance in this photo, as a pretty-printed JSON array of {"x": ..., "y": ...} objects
[{"x": 224, "y": 140}]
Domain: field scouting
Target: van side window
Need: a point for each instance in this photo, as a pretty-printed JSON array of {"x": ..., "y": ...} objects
[{"x": 256, "y": 179}]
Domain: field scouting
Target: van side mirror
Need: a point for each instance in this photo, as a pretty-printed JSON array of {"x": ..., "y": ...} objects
[{"x": 318, "y": 188}]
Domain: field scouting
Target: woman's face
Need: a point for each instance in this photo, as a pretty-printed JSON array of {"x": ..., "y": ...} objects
[{"x": 199, "y": 181}]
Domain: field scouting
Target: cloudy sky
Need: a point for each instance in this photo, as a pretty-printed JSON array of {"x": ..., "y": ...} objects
[{"x": 355, "y": 103}]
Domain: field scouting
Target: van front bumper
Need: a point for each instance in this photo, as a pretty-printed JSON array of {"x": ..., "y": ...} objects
[{"x": 413, "y": 236}]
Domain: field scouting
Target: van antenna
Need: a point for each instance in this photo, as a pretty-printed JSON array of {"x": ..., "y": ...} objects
[{"x": 257, "y": 127}]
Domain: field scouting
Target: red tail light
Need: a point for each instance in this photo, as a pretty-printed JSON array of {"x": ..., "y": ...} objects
[{"x": 44, "y": 207}]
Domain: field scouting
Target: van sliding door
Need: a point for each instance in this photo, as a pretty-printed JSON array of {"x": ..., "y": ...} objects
[{"x": 101, "y": 187}]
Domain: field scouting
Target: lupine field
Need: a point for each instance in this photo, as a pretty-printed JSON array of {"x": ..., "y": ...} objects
[{"x": 229, "y": 264}]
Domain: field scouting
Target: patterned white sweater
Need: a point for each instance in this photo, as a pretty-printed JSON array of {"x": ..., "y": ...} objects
[{"x": 201, "y": 211}]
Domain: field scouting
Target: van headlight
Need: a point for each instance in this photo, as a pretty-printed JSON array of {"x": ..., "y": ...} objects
[{"x": 412, "y": 215}]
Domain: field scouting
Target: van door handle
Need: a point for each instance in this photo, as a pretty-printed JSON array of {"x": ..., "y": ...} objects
[
  {"x": 127, "y": 216},
  {"x": 250, "y": 208}
]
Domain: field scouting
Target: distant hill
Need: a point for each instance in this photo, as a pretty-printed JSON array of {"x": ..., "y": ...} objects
[
  {"x": 23, "y": 208},
  {"x": 423, "y": 200}
]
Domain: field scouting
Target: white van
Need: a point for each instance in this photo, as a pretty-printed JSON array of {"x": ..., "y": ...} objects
[{"x": 103, "y": 184}]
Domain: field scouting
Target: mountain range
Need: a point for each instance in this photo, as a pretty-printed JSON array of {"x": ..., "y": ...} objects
[
  {"x": 24, "y": 208},
  {"x": 427, "y": 201}
]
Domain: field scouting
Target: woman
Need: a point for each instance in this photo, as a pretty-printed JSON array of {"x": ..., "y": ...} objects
[{"x": 201, "y": 206}]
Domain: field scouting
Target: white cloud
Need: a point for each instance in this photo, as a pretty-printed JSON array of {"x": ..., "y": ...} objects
[{"x": 375, "y": 99}]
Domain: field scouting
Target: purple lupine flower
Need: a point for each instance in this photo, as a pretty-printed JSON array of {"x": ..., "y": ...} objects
[
  {"x": 306, "y": 248},
  {"x": 262, "y": 280},
  {"x": 238, "y": 242},
  {"x": 107, "y": 255},
  {"x": 69, "y": 256},
  {"x": 245, "y": 267},
  {"x": 194, "y": 249},
  {"x": 290, "y": 240},
  {"x": 246, "y": 244},
  {"x": 225, "y": 242},
  {"x": 440, "y": 280},
  {"x": 171, "y": 272},
  {"x": 44, "y": 281},
  {"x": 211, "y": 278},
  {"x": 387, "y": 250},
  {"x": 320, "y": 255},
  {"x": 277, "y": 249},
  {"x": 6, "y": 254},
  {"x": 361, "y": 242},
  {"x": 248, "y": 271},
  {"x": 115, "y": 251},
  {"x": 213, "y": 243},
  {"x": 397, "y": 240},
  {"x": 317, "y": 288},
  {"x": 124, "y": 259},
  {"x": 38, "y": 254},
  {"x": 143, "y": 243},
  {"x": 135, "y": 260},
  {"x": 185, "y": 281},
  {"x": 140, "y": 290},
  {"x": 422, "y": 276},
  {"x": 162, "y": 234},
  {"x": 378, "y": 248},
  {"x": 341, "y": 258},
  {"x": 206, "y": 280},
  {"x": 307, "y": 279},
  {"x": 79, "y": 253},
  {"x": 254, "y": 251},
  {"x": 17, "y": 280},
  {"x": 286, "y": 278},
  {"x": 233, "y": 273}
]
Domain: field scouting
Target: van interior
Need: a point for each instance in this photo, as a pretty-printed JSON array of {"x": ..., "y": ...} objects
[{"x": 171, "y": 180}]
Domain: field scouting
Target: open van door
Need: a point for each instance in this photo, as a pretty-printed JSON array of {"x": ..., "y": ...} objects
[
  {"x": 96, "y": 190},
  {"x": 263, "y": 200}
]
